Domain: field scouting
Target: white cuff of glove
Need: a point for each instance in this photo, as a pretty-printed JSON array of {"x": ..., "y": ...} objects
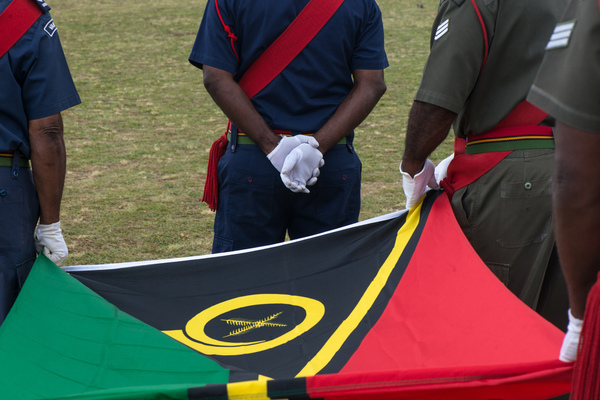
[
  {"x": 570, "y": 344},
  {"x": 301, "y": 168},
  {"x": 50, "y": 240},
  {"x": 288, "y": 143},
  {"x": 441, "y": 170},
  {"x": 415, "y": 187}
]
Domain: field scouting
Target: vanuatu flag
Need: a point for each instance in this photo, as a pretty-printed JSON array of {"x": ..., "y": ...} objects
[{"x": 397, "y": 307}]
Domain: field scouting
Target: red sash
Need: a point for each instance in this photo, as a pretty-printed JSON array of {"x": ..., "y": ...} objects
[
  {"x": 15, "y": 20},
  {"x": 465, "y": 169},
  {"x": 265, "y": 68}
]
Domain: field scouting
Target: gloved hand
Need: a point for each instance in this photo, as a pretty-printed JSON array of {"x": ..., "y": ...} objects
[
  {"x": 301, "y": 168},
  {"x": 441, "y": 170},
  {"x": 286, "y": 145},
  {"x": 570, "y": 344},
  {"x": 415, "y": 188},
  {"x": 49, "y": 239}
]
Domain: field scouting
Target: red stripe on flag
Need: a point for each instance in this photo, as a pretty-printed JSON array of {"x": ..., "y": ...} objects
[
  {"x": 451, "y": 312},
  {"x": 530, "y": 382}
]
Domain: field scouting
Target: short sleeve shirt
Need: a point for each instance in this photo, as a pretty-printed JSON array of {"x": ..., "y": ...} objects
[
  {"x": 484, "y": 56},
  {"x": 568, "y": 83},
  {"x": 35, "y": 83},
  {"x": 305, "y": 95}
]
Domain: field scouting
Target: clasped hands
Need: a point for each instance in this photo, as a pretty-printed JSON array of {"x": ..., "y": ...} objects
[{"x": 298, "y": 161}]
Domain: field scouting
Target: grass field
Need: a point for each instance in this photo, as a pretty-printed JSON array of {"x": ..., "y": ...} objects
[{"x": 138, "y": 145}]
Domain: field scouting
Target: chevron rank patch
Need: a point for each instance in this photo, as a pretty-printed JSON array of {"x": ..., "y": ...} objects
[
  {"x": 50, "y": 28},
  {"x": 442, "y": 29},
  {"x": 561, "y": 35}
]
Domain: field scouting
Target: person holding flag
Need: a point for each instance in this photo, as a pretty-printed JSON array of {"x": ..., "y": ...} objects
[
  {"x": 484, "y": 56},
  {"x": 36, "y": 87},
  {"x": 295, "y": 79},
  {"x": 568, "y": 87}
]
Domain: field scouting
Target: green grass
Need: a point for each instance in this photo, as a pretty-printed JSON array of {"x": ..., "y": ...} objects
[{"x": 138, "y": 145}]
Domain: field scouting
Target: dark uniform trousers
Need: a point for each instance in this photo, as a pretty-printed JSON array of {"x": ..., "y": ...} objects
[
  {"x": 255, "y": 208},
  {"x": 19, "y": 213}
]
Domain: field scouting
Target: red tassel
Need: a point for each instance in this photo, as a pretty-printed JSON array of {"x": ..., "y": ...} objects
[
  {"x": 211, "y": 186},
  {"x": 586, "y": 372}
]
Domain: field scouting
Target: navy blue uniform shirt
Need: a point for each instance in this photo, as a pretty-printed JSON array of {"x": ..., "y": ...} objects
[
  {"x": 35, "y": 82},
  {"x": 307, "y": 93}
]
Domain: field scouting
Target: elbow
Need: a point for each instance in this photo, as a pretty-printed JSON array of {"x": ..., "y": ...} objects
[
  {"x": 209, "y": 83},
  {"x": 52, "y": 134},
  {"x": 46, "y": 130},
  {"x": 209, "y": 78},
  {"x": 380, "y": 85},
  {"x": 53, "y": 131},
  {"x": 377, "y": 87},
  {"x": 215, "y": 79},
  {"x": 377, "y": 90},
  {"x": 372, "y": 82},
  {"x": 381, "y": 88}
]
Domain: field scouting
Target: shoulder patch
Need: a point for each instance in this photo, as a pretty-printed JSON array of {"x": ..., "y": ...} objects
[
  {"x": 561, "y": 35},
  {"x": 442, "y": 29},
  {"x": 43, "y": 5},
  {"x": 50, "y": 28}
]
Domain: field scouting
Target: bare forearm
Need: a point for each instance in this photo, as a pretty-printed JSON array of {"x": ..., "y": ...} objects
[
  {"x": 48, "y": 161},
  {"x": 576, "y": 211},
  {"x": 576, "y": 225},
  {"x": 428, "y": 126},
  {"x": 369, "y": 86},
  {"x": 232, "y": 100}
]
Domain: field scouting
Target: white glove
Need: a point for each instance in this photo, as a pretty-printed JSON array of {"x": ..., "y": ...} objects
[
  {"x": 286, "y": 145},
  {"x": 301, "y": 168},
  {"x": 49, "y": 238},
  {"x": 441, "y": 170},
  {"x": 415, "y": 188},
  {"x": 570, "y": 344}
]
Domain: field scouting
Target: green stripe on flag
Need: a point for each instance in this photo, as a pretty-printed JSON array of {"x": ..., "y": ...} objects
[{"x": 62, "y": 340}]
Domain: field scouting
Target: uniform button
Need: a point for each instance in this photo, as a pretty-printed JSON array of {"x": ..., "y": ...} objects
[
  {"x": 15, "y": 173},
  {"x": 344, "y": 177},
  {"x": 2, "y": 193},
  {"x": 528, "y": 185},
  {"x": 250, "y": 179}
]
